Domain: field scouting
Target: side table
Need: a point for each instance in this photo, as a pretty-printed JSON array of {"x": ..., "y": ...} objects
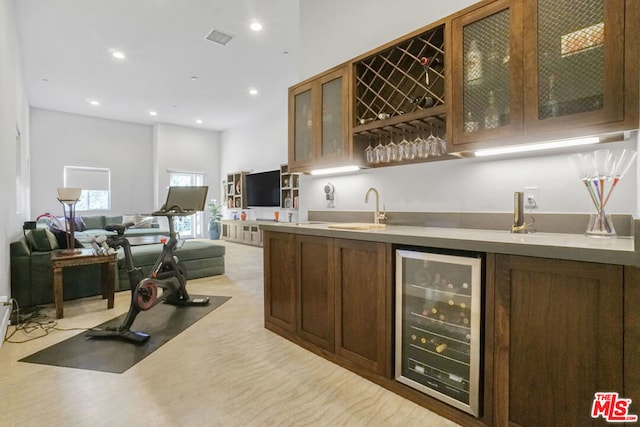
[{"x": 60, "y": 260}]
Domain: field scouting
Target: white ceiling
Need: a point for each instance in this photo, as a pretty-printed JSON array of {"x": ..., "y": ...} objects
[{"x": 65, "y": 47}]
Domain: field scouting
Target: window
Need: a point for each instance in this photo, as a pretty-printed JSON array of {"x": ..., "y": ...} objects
[
  {"x": 187, "y": 226},
  {"x": 95, "y": 184}
]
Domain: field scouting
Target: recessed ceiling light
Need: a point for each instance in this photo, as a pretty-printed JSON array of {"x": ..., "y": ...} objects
[
  {"x": 198, "y": 121},
  {"x": 153, "y": 113},
  {"x": 194, "y": 78},
  {"x": 256, "y": 26},
  {"x": 93, "y": 102},
  {"x": 253, "y": 91},
  {"x": 118, "y": 54}
]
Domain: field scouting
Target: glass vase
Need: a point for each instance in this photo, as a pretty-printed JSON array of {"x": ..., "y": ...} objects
[{"x": 600, "y": 225}]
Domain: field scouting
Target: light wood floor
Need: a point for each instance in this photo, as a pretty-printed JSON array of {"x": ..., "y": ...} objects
[{"x": 226, "y": 370}]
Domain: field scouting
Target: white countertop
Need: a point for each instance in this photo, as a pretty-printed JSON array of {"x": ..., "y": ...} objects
[{"x": 616, "y": 250}]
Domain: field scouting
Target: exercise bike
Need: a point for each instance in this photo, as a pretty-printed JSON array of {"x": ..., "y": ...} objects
[{"x": 168, "y": 273}]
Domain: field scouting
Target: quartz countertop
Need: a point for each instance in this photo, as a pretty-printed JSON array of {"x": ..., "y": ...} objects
[{"x": 577, "y": 247}]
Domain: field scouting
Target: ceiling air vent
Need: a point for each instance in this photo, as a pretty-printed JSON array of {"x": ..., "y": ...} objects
[{"x": 219, "y": 37}]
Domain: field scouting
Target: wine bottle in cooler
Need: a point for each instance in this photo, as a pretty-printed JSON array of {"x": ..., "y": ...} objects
[{"x": 438, "y": 345}]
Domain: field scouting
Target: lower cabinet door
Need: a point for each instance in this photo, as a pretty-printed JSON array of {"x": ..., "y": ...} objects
[
  {"x": 558, "y": 340},
  {"x": 315, "y": 293},
  {"x": 361, "y": 274},
  {"x": 280, "y": 281}
]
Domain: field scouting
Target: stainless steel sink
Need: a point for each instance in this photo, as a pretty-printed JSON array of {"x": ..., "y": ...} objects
[{"x": 357, "y": 226}]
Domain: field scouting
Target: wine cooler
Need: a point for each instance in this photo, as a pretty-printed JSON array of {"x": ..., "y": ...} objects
[{"x": 438, "y": 325}]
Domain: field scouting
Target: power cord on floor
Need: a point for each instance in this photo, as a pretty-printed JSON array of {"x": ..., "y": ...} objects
[{"x": 31, "y": 323}]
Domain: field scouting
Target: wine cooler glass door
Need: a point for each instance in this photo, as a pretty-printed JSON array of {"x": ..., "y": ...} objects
[{"x": 438, "y": 326}]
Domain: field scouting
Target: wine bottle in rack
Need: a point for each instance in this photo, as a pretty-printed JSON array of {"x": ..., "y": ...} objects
[{"x": 423, "y": 101}]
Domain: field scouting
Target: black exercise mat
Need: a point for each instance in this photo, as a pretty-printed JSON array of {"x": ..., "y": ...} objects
[{"x": 163, "y": 322}]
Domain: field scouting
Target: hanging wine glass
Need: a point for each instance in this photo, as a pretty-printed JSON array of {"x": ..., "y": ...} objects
[
  {"x": 404, "y": 147},
  {"x": 424, "y": 147},
  {"x": 432, "y": 143},
  {"x": 392, "y": 149},
  {"x": 443, "y": 144},
  {"x": 413, "y": 150},
  {"x": 379, "y": 152},
  {"x": 369, "y": 153},
  {"x": 418, "y": 146}
]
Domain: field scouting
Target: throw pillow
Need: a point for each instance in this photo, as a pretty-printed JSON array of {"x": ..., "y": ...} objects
[
  {"x": 143, "y": 222},
  {"x": 41, "y": 240},
  {"x": 79, "y": 223},
  {"x": 57, "y": 223},
  {"x": 61, "y": 239},
  {"x": 128, "y": 218},
  {"x": 113, "y": 220},
  {"x": 94, "y": 222}
]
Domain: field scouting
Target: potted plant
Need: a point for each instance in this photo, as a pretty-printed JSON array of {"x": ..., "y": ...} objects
[{"x": 214, "y": 220}]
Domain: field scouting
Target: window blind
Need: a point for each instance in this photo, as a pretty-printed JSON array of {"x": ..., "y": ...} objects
[{"x": 87, "y": 178}]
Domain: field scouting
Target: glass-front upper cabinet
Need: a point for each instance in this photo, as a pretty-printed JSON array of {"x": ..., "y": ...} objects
[
  {"x": 487, "y": 73},
  {"x": 301, "y": 125},
  {"x": 576, "y": 62},
  {"x": 318, "y": 122},
  {"x": 541, "y": 69},
  {"x": 334, "y": 106}
]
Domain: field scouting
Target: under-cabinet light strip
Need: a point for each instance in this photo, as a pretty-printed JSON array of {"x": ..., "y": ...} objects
[
  {"x": 341, "y": 169},
  {"x": 537, "y": 147}
]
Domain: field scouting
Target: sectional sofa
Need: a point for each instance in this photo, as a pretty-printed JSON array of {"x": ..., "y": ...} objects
[{"x": 32, "y": 274}]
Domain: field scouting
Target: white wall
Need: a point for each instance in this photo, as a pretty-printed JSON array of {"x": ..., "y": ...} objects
[
  {"x": 335, "y": 31},
  {"x": 14, "y": 113},
  {"x": 461, "y": 185},
  {"x": 258, "y": 146},
  {"x": 472, "y": 185},
  {"x": 184, "y": 149},
  {"x": 139, "y": 157},
  {"x": 60, "y": 139}
]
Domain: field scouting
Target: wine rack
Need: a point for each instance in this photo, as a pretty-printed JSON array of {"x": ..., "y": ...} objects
[
  {"x": 400, "y": 91},
  {"x": 403, "y": 79},
  {"x": 437, "y": 326}
]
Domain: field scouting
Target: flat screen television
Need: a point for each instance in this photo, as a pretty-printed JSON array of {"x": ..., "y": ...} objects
[{"x": 263, "y": 189}]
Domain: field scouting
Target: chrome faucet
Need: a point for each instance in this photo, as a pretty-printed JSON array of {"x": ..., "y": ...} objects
[{"x": 377, "y": 215}]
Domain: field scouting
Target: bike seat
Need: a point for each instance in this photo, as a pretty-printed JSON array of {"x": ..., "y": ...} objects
[{"x": 118, "y": 228}]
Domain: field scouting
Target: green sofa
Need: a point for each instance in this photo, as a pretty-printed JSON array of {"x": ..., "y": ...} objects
[
  {"x": 32, "y": 274},
  {"x": 93, "y": 226}
]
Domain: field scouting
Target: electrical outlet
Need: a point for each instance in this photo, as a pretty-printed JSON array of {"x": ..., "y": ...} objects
[{"x": 531, "y": 197}]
